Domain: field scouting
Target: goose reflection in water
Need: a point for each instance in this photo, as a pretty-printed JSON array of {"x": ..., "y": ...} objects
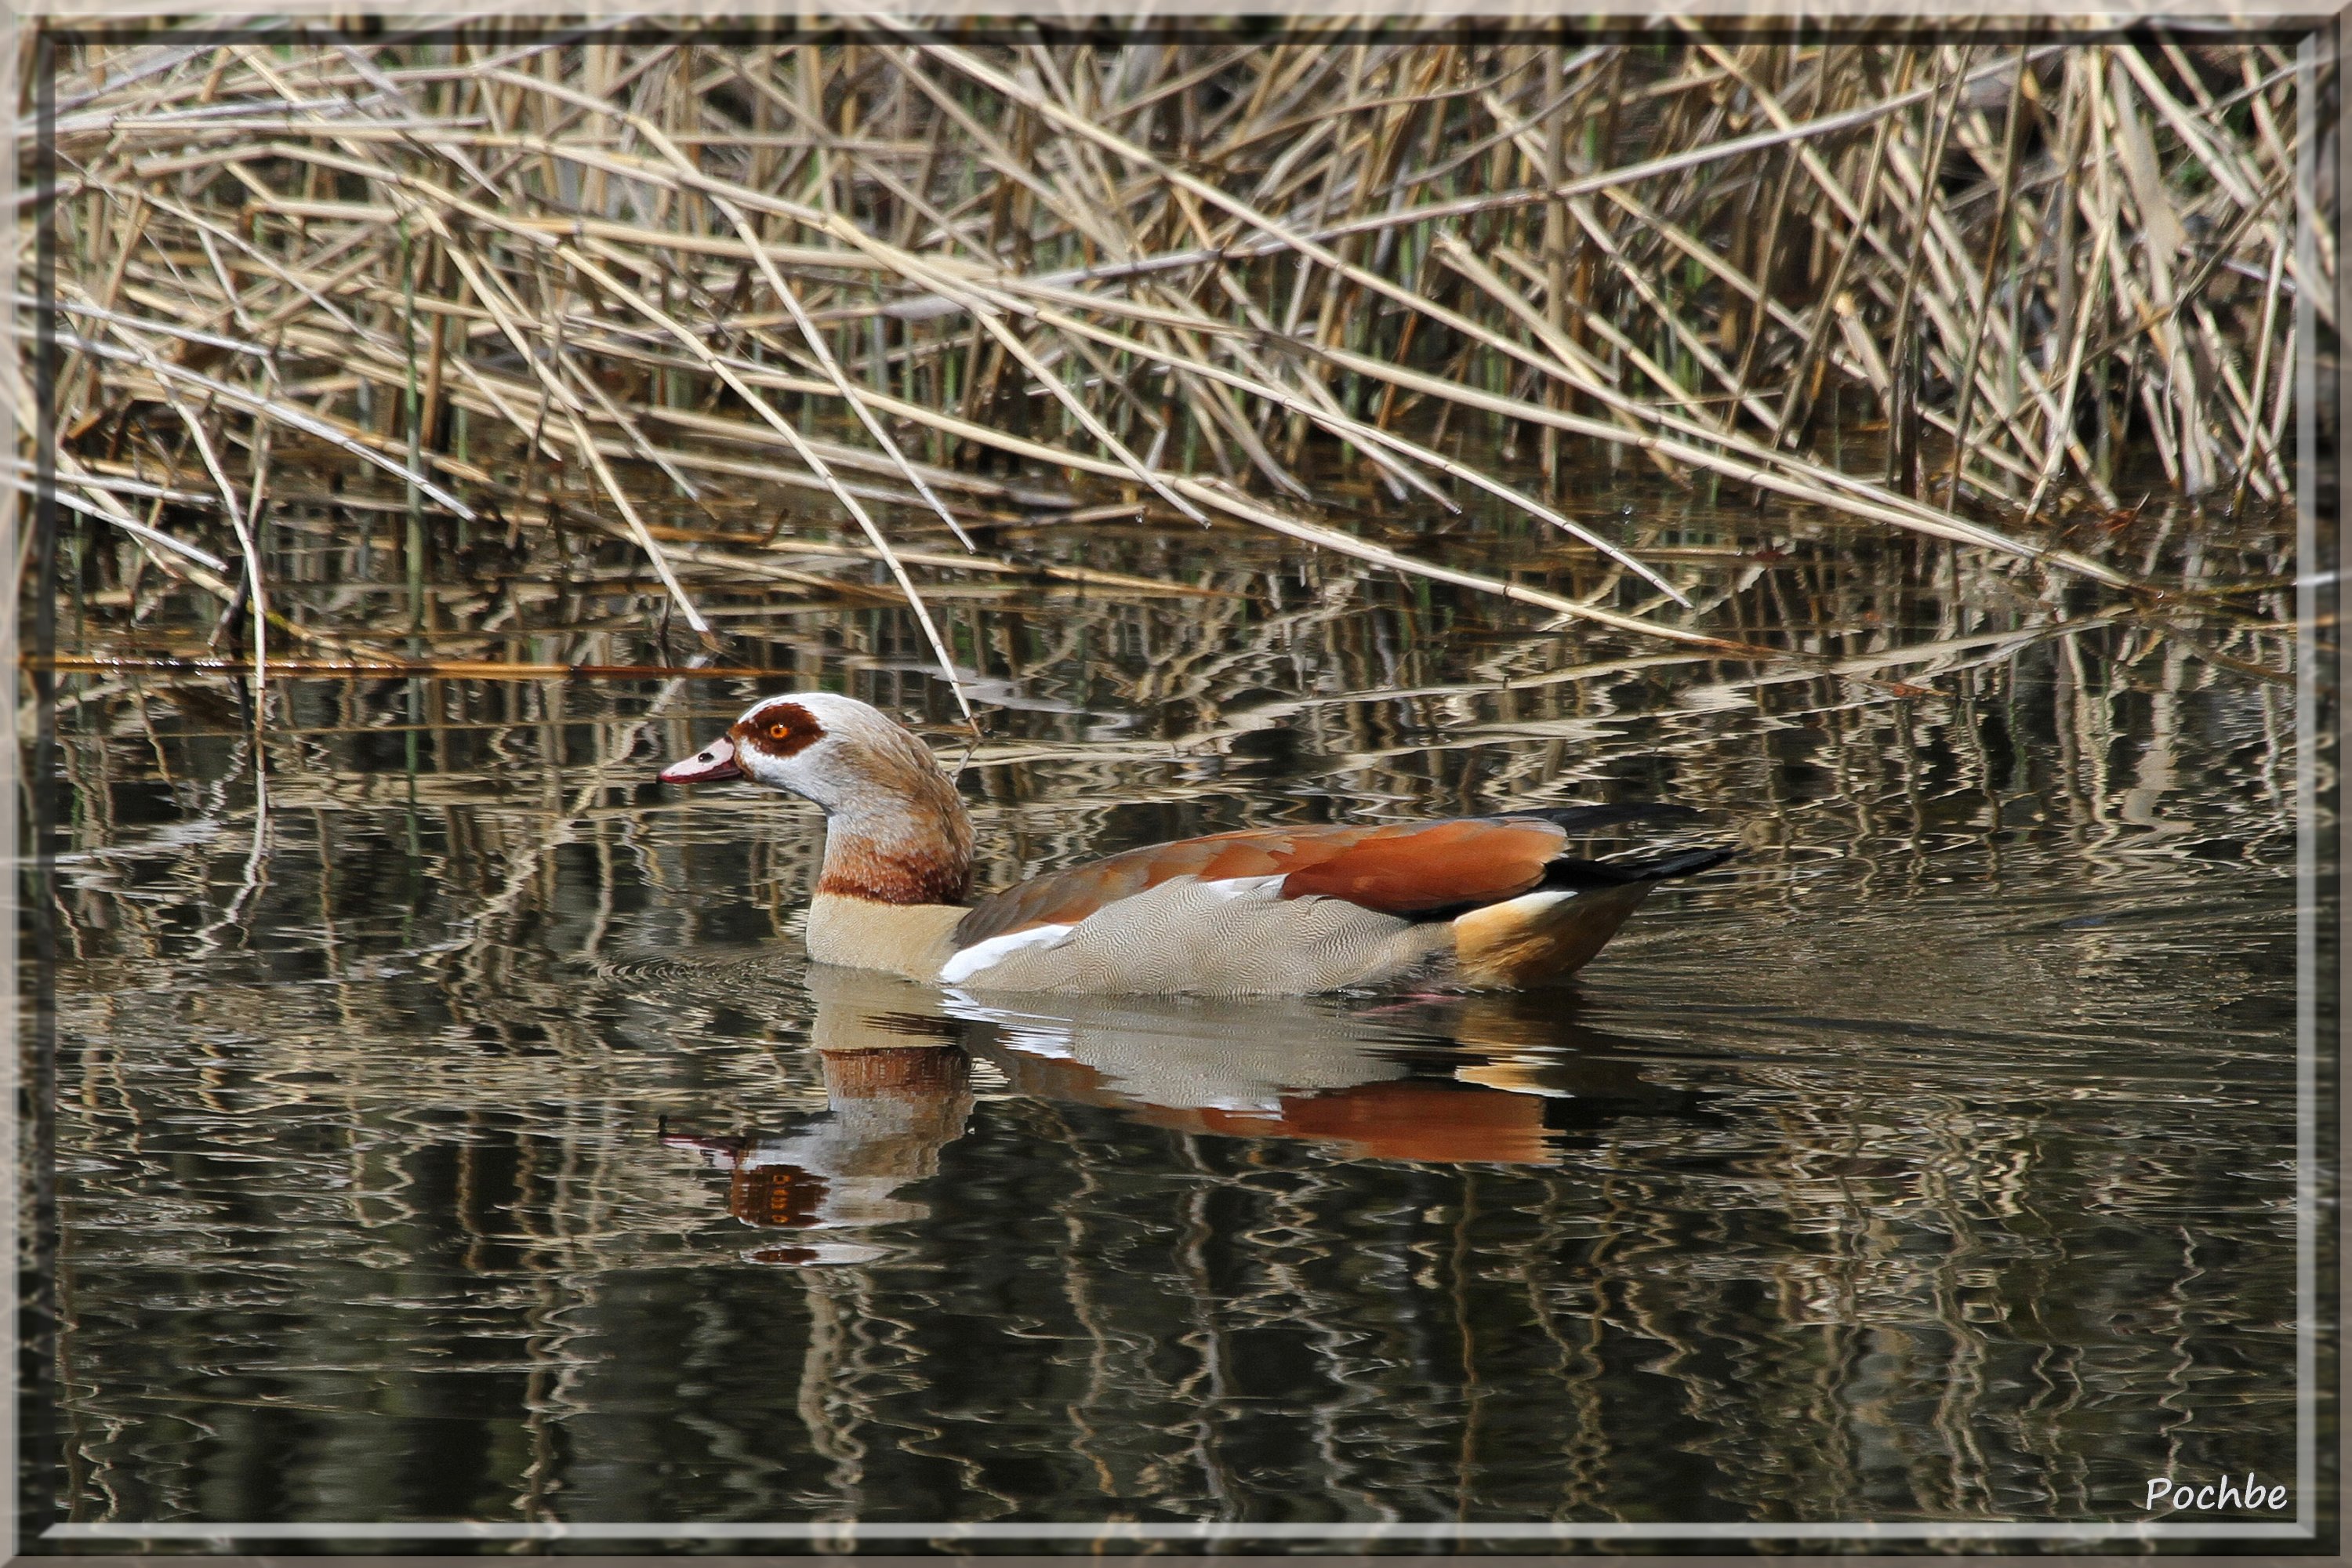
[
  {"x": 1468, "y": 1079},
  {"x": 898, "y": 1089}
]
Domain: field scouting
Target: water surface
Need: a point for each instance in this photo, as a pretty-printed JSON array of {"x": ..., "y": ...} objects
[{"x": 465, "y": 1135}]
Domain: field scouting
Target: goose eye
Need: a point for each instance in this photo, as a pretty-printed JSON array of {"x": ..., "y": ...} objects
[{"x": 778, "y": 732}]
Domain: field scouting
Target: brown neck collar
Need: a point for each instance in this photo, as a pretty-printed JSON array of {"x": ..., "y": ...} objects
[
  {"x": 912, "y": 849},
  {"x": 859, "y": 870}
]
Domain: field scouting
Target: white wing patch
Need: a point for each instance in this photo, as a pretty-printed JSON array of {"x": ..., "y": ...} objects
[{"x": 987, "y": 955}]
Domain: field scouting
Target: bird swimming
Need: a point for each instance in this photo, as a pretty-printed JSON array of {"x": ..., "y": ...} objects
[{"x": 1485, "y": 902}]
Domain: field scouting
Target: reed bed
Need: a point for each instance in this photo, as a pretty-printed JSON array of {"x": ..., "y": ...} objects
[{"x": 484, "y": 294}]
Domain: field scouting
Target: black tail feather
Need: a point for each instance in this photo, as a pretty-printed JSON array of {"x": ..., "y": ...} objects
[{"x": 1585, "y": 876}]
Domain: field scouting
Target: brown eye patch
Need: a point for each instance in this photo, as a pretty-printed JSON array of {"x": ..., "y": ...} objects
[{"x": 779, "y": 729}]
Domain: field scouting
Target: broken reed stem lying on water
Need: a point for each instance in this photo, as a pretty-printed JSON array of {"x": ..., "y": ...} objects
[{"x": 662, "y": 267}]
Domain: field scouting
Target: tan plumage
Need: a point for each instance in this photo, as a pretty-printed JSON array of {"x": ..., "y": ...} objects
[
  {"x": 1474, "y": 901},
  {"x": 1523, "y": 941}
]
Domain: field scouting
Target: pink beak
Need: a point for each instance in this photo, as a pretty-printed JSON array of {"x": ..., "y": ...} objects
[{"x": 709, "y": 765}]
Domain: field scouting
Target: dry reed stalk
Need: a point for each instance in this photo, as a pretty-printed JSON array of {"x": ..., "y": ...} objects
[{"x": 1124, "y": 266}]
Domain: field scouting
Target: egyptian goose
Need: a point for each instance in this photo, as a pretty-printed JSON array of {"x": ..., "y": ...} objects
[{"x": 1478, "y": 903}]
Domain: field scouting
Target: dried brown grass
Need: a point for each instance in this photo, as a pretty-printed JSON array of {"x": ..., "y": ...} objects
[{"x": 1950, "y": 289}]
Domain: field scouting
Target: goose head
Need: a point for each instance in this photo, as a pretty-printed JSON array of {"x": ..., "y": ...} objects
[{"x": 897, "y": 829}]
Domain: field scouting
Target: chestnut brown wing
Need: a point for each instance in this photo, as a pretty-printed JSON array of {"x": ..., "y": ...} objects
[
  {"x": 1433, "y": 865},
  {"x": 1405, "y": 869}
]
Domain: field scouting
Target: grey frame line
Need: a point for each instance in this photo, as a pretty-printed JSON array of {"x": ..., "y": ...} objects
[
  {"x": 1436, "y": 12},
  {"x": 2306, "y": 802},
  {"x": 1198, "y": 1530},
  {"x": 2307, "y": 1174}
]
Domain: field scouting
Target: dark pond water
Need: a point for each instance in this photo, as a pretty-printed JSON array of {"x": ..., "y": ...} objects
[{"x": 468, "y": 1138}]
